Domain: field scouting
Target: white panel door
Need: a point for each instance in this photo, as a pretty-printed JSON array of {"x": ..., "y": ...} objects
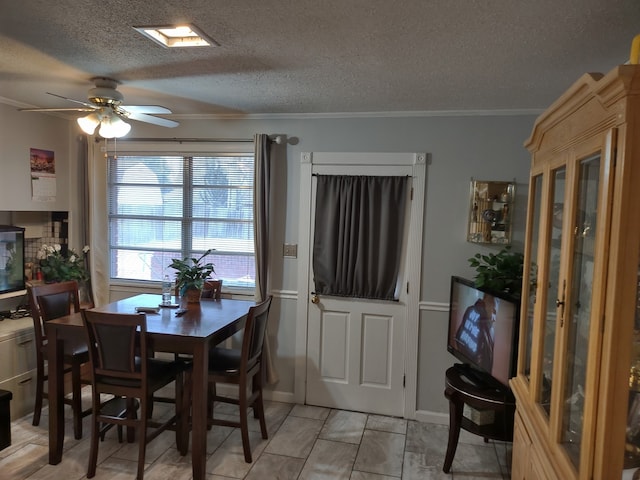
[
  {"x": 356, "y": 355},
  {"x": 356, "y": 347}
]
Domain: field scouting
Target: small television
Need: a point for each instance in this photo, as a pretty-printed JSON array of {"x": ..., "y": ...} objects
[
  {"x": 483, "y": 330},
  {"x": 11, "y": 259}
]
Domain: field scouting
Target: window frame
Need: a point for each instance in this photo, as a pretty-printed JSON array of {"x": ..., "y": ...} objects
[{"x": 188, "y": 148}]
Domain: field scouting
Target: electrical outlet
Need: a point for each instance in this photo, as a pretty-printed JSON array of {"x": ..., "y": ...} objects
[{"x": 290, "y": 250}]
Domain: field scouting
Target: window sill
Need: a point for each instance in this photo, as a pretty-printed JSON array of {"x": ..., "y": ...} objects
[{"x": 137, "y": 287}]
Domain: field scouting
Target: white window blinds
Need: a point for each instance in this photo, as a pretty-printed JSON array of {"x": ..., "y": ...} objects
[{"x": 169, "y": 206}]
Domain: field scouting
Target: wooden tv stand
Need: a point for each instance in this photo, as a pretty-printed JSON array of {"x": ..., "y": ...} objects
[{"x": 494, "y": 405}]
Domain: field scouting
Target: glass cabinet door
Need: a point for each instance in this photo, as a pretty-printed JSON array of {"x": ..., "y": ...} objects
[
  {"x": 543, "y": 396},
  {"x": 632, "y": 440},
  {"x": 530, "y": 287},
  {"x": 575, "y": 318}
]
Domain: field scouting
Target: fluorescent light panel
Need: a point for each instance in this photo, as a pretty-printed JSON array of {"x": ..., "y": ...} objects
[{"x": 175, "y": 36}]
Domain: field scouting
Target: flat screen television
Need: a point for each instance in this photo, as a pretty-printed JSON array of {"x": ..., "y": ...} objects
[
  {"x": 483, "y": 330},
  {"x": 11, "y": 259}
]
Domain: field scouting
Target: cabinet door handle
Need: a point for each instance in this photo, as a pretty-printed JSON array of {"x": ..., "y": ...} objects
[
  {"x": 25, "y": 381},
  {"x": 560, "y": 303},
  {"x": 26, "y": 342}
]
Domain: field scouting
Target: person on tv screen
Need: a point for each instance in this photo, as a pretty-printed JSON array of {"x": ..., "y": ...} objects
[{"x": 475, "y": 333}]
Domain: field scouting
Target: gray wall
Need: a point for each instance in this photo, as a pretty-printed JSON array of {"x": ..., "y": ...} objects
[
  {"x": 19, "y": 132},
  {"x": 460, "y": 147}
]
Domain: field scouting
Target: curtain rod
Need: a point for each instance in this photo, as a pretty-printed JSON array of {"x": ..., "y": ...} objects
[
  {"x": 329, "y": 175},
  {"x": 274, "y": 138},
  {"x": 187, "y": 140}
]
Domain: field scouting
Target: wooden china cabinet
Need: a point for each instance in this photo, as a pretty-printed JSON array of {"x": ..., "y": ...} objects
[{"x": 578, "y": 384}]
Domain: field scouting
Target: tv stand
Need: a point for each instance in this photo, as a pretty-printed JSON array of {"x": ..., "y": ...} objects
[
  {"x": 471, "y": 376},
  {"x": 465, "y": 386}
]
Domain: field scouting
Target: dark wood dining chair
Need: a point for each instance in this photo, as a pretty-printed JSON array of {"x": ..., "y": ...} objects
[
  {"x": 49, "y": 301},
  {"x": 210, "y": 289},
  {"x": 120, "y": 351},
  {"x": 242, "y": 367}
]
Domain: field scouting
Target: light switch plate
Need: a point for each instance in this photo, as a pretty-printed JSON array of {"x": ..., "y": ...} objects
[{"x": 290, "y": 250}]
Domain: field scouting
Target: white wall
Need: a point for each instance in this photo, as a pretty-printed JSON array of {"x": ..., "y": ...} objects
[{"x": 460, "y": 147}]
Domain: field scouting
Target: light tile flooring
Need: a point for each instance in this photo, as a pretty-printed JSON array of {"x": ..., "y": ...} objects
[{"x": 305, "y": 443}]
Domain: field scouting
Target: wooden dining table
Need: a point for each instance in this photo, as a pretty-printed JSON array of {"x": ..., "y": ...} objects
[{"x": 203, "y": 325}]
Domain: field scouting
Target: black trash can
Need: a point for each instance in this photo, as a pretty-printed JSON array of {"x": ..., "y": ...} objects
[{"x": 5, "y": 419}]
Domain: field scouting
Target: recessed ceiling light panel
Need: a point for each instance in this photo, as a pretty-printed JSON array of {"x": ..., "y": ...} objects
[{"x": 174, "y": 36}]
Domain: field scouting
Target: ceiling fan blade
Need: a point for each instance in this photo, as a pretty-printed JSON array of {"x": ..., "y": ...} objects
[
  {"x": 154, "y": 109},
  {"x": 35, "y": 109},
  {"x": 163, "y": 122},
  {"x": 89, "y": 105}
]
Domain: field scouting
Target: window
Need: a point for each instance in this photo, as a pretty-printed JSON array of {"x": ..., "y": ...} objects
[{"x": 172, "y": 206}]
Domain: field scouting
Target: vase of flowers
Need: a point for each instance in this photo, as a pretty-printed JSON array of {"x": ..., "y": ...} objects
[
  {"x": 191, "y": 274},
  {"x": 57, "y": 266},
  {"x": 60, "y": 266}
]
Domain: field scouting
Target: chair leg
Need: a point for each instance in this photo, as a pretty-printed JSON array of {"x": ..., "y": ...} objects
[
  {"x": 258, "y": 406},
  {"x": 37, "y": 407},
  {"x": 186, "y": 409},
  {"x": 95, "y": 436},
  {"x": 244, "y": 422},
  {"x": 211, "y": 395},
  {"x": 142, "y": 439},
  {"x": 76, "y": 400},
  {"x": 131, "y": 414},
  {"x": 182, "y": 414}
]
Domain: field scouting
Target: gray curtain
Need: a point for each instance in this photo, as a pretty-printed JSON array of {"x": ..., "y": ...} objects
[
  {"x": 85, "y": 230},
  {"x": 359, "y": 222},
  {"x": 261, "y": 214}
]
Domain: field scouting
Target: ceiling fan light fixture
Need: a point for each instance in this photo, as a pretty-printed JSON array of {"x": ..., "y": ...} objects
[
  {"x": 113, "y": 126},
  {"x": 176, "y": 36},
  {"x": 89, "y": 123}
]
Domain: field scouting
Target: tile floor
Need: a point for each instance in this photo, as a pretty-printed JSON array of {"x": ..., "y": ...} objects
[{"x": 305, "y": 443}]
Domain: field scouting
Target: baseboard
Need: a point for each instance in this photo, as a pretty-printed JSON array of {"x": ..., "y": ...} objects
[
  {"x": 276, "y": 396},
  {"x": 423, "y": 416},
  {"x": 426, "y": 416},
  {"x": 270, "y": 395}
]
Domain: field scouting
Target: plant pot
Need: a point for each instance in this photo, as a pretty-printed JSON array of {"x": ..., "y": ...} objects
[{"x": 192, "y": 295}]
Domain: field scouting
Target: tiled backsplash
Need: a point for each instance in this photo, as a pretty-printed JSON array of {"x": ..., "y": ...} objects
[{"x": 33, "y": 245}]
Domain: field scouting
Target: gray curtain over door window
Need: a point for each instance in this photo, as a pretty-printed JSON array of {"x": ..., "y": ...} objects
[{"x": 359, "y": 222}]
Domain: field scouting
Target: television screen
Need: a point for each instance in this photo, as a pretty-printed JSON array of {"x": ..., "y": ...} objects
[
  {"x": 11, "y": 259},
  {"x": 483, "y": 329}
]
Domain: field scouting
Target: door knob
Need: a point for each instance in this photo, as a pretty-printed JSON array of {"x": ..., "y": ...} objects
[{"x": 315, "y": 299}]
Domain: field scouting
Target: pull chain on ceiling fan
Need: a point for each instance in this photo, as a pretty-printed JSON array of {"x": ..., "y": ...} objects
[{"x": 106, "y": 110}]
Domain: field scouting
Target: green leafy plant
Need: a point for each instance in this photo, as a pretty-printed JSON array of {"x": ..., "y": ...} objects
[
  {"x": 58, "y": 267},
  {"x": 501, "y": 271},
  {"x": 191, "y": 272}
]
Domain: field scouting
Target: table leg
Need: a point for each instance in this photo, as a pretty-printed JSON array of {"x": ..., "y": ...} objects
[
  {"x": 55, "y": 387},
  {"x": 455, "y": 421},
  {"x": 199, "y": 410}
]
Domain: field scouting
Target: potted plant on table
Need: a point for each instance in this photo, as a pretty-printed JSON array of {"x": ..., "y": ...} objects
[
  {"x": 191, "y": 274},
  {"x": 500, "y": 272}
]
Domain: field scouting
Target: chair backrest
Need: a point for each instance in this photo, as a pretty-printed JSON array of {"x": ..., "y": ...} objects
[
  {"x": 49, "y": 301},
  {"x": 212, "y": 289},
  {"x": 254, "y": 331},
  {"x": 117, "y": 342}
]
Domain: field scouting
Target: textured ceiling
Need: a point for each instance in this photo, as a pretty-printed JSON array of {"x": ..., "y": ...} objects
[{"x": 315, "y": 56}]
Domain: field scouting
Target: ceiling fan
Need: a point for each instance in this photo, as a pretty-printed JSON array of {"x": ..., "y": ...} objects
[{"x": 106, "y": 110}]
